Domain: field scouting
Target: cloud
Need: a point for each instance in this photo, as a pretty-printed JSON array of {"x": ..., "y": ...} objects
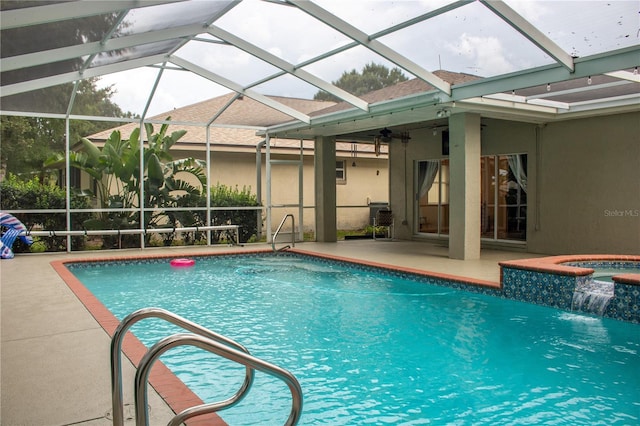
[{"x": 485, "y": 55}]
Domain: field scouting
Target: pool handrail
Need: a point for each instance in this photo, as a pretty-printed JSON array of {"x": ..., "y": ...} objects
[
  {"x": 228, "y": 352},
  {"x": 293, "y": 232},
  {"x": 116, "y": 359}
]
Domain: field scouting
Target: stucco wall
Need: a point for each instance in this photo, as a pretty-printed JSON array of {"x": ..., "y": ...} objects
[
  {"x": 589, "y": 187},
  {"x": 367, "y": 181}
]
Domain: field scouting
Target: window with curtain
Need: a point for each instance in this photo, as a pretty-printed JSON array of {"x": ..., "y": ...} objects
[
  {"x": 504, "y": 197},
  {"x": 433, "y": 196}
]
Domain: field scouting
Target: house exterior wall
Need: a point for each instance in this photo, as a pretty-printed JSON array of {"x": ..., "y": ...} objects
[
  {"x": 589, "y": 186},
  {"x": 366, "y": 182},
  {"x": 583, "y": 186}
]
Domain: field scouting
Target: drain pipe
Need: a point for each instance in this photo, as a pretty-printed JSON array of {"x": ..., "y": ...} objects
[
  {"x": 539, "y": 131},
  {"x": 259, "y": 147}
]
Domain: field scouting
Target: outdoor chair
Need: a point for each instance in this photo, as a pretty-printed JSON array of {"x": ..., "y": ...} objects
[{"x": 383, "y": 218}]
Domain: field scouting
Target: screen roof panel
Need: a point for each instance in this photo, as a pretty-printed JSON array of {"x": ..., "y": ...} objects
[
  {"x": 470, "y": 39},
  {"x": 584, "y": 28},
  {"x": 252, "y": 46},
  {"x": 163, "y": 16}
]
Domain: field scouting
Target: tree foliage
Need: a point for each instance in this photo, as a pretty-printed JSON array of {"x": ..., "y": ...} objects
[
  {"x": 28, "y": 141},
  {"x": 115, "y": 168},
  {"x": 372, "y": 77},
  {"x": 16, "y": 194}
]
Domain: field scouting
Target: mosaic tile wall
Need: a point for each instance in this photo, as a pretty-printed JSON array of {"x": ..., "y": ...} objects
[{"x": 555, "y": 290}]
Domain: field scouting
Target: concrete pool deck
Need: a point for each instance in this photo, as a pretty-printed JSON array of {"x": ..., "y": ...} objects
[{"x": 54, "y": 355}]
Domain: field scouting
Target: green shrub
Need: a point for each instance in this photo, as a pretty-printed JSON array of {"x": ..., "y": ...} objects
[
  {"x": 16, "y": 194},
  {"x": 225, "y": 196},
  {"x": 38, "y": 246}
]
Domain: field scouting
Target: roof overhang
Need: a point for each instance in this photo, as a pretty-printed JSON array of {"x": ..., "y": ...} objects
[{"x": 490, "y": 97}]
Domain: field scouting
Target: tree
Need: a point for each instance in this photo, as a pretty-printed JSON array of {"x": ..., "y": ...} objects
[
  {"x": 28, "y": 141},
  {"x": 372, "y": 77}
]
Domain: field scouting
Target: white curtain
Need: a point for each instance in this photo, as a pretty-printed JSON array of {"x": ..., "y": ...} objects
[
  {"x": 427, "y": 171},
  {"x": 518, "y": 170}
]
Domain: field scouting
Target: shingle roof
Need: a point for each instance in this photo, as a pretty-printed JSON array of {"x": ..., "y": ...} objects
[
  {"x": 405, "y": 88},
  {"x": 248, "y": 112},
  {"x": 242, "y": 112}
]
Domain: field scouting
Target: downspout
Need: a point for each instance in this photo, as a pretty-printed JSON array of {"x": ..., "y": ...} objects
[
  {"x": 300, "y": 195},
  {"x": 259, "y": 147},
  {"x": 268, "y": 160},
  {"x": 539, "y": 129}
]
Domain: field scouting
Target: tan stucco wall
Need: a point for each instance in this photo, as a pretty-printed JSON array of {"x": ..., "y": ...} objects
[
  {"x": 590, "y": 186},
  {"x": 367, "y": 181}
]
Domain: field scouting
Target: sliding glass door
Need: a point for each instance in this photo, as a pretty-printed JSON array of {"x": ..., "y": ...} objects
[
  {"x": 504, "y": 197},
  {"x": 433, "y": 197},
  {"x": 503, "y": 193}
]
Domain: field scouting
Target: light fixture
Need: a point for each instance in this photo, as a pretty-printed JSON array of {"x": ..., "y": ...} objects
[
  {"x": 353, "y": 164},
  {"x": 548, "y": 87},
  {"x": 443, "y": 113},
  {"x": 589, "y": 80}
]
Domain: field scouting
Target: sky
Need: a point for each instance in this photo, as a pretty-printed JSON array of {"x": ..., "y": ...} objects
[{"x": 470, "y": 39}]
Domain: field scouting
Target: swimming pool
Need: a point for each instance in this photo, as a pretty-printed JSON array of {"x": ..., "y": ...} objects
[{"x": 375, "y": 347}]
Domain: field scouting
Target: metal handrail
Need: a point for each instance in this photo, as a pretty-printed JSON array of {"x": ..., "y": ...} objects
[
  {"x": 251, "y": 362},
  {"x": 136, "y": 231},
  {"x": 116, "y": 360},
  {"x": 293, "y": 232}
]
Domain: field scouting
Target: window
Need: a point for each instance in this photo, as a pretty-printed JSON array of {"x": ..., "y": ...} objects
[
  {"x": 341, "y": 171},
  {"x": 504, "y": 197},
  {"x": 74, "y": 176},
  {"x": 503, "y": 193},
  {"x": 433, "y": 196}
]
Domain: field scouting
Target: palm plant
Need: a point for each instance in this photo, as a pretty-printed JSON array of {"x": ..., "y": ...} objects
[{"x": 116, "y": 170}]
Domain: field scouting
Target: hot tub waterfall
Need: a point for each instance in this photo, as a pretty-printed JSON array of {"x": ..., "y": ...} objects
[{"x": 592, "y": 296}]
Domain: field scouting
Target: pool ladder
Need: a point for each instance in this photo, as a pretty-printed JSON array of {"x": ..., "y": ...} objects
[
  {"x": 202, "y": 338},
  {"x": 293, "y": 233}
]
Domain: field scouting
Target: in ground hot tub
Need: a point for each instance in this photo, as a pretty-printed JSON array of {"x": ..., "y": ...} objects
[{"x": 567, "y": 282}]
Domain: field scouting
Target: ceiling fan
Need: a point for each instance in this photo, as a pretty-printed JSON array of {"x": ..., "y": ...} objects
[{"x": 387, "y": 135}]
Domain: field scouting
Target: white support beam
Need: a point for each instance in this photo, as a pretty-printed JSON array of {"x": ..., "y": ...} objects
[
  {"x": 532, "y": 33},
  {"x": 587, "y": 88},
  {"x": 624, "y": 75},
  {"x": 486, "y": 101},
  {"x": 372, "y": 44},
  {"x": 591, "y": 65},
  {"x": 76, "y": 51},
  {"x": 218, "y": 79},
  {"x": 69, "y": 10},
  {"x": 288, "y": 67},
  {"x": 41, "y": 83}
]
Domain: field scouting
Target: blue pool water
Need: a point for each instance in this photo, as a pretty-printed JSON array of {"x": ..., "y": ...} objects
[{"x": 371, "y": 347}]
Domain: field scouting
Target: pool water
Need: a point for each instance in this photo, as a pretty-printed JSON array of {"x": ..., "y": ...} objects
[
  {"x": 607, "y": 274},
  {"x": 371, "y": 347}
]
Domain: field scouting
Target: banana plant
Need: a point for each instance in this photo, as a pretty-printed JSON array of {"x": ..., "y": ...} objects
[{"x": 116, "y": 170}]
